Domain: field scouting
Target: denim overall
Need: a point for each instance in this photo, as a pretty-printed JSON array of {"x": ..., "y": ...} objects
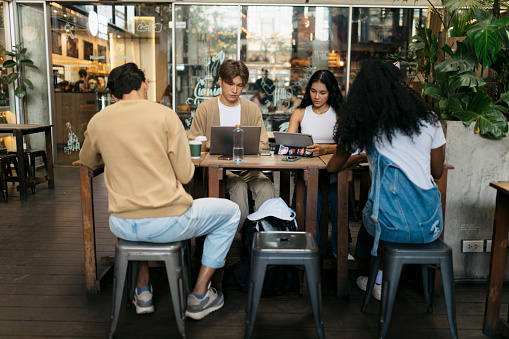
[{"x": 398, "y": 210}]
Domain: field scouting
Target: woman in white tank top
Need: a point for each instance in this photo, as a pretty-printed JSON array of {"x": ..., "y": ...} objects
[{"x": 317, "y": 115}]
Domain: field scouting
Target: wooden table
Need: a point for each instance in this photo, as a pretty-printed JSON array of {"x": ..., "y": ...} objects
[
  {"x": 343, "y": 287},
  {"x": 308, "y": 167},
  {"x": 92, "y": 277},
  {"x": 492, "y": 323},
  {"x": 19, "y": 131}
]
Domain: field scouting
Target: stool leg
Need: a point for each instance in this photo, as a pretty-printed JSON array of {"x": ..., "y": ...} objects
[
  {"x": 176, "y": 280},
  {"x": 3, "y": 180},
  {"x": 118, "y": 287},
  {"x": 392, "y": 273},
  {"x": 427, "y": 284},
  {"x": 132, "y": 280},
  {"x": 375, "y": 264},
  {"x": 31, "y": 170},
  {"x": 446, "y": 268},
  {"x": 186, "y": 263},
  {"x": 315, "y": 293},
  {"x": 256, "y": 278}
]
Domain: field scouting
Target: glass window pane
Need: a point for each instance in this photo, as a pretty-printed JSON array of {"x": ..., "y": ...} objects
[
  {"x": 377, "y": 32},
  {"x": 283, "y": 46},
  {"x": 205, "y": 37},
  {"x": 89, "y": 42}
]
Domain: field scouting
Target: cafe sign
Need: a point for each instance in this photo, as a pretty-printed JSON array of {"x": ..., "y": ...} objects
[{"x": 98, "y": 25}]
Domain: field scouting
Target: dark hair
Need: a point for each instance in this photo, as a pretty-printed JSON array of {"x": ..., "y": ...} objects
[
  {"x": 125, "y": 79},
  {"x": 82, "y": 72},
  {"x": 233, "y": 68},
  {"x": 380, "y": 103},
  {"x": 327, "y": 78}
]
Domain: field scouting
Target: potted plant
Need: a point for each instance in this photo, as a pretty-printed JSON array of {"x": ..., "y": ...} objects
[{"x": 17, "y": 63}]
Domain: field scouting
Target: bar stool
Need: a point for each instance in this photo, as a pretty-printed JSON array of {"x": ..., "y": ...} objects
[
  {"x": 176, "y": 258},
  {"x": 394, "y": 256},
  {"x": 5, "y": 163},
  {"x": 29, "y": 158},
  {"x": 284, "y": 248}
]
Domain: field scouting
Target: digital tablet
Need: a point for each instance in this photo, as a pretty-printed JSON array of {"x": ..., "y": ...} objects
[{"x": 293, "y": 139}]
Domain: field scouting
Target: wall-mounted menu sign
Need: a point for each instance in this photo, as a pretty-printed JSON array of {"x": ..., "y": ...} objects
[{"x": 98, "y": 25}]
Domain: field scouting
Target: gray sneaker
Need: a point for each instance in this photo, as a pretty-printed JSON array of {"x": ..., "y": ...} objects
[{"x": 200, "y": 308}]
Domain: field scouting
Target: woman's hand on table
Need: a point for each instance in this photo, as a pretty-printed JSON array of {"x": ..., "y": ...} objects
[
  {"x": 321, "y": 149},
  {"x": 76, "y": 163}
]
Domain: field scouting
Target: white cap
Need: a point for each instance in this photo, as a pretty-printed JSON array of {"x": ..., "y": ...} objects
[
  {"x": 201, "y": 138},
  {"x": 275, "y": 207}
]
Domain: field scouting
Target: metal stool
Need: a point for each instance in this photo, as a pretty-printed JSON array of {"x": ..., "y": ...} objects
[
  {"x": 284, "y": 248},
  {"x": 5, "y": 163},
  {"x": 29, "y": 158},
  {"x": 176, "y": 258},
  {"x": 394, "y": 257}
]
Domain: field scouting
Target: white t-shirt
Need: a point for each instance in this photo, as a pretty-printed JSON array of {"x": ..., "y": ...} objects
[
  {"x": 229, "y": 116},
  {"x": 413, "y": 155},
  {"x": 320, "y": 126}
]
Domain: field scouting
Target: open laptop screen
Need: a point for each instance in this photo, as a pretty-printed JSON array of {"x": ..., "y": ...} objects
[{"x": 221, "y": 139}]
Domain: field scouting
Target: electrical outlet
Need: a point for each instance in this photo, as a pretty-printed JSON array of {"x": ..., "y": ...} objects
[
  {"x": 472, "y": 246},
  {"x": 488, "y": 245}
]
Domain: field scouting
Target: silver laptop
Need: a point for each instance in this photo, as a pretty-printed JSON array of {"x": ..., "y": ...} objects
[{"x": 221, "y": 140}]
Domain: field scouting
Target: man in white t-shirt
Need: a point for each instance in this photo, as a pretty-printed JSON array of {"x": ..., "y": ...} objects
[{"x": 229, "y": 109}]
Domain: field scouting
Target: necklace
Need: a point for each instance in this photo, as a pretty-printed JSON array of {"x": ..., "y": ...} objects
[{"x": 318, "y": 112}]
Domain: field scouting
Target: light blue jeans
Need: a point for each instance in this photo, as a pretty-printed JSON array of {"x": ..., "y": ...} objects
[{"x": 216, "y": 218}]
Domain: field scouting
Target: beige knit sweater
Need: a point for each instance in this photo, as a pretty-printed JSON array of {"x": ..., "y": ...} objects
[
  {"x": 207, "y": 115},
  {"x": 146, "y": 157}
]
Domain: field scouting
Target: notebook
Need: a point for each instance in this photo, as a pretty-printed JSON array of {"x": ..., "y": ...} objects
[{"x": 221, "y": 140}]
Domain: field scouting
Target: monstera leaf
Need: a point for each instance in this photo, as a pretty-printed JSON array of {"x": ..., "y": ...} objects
[
  {"x": 489, "y": 121},
  {"x": 486, "y": 39}
]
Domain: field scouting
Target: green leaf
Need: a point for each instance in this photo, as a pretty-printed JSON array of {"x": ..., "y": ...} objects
[
  {"x": 467, "y": 79},
  {"x": 20, "y": 91},
  {"x": 9, "y": 53},
  {"x": 23, "y": 51},
  {"x": 493, "y": 124},
  {"x": 467, "y": 117},
  {"x": 28, "y": 83},
  {"x": 28, "y": 63},
  {"x": 433, "y": 91},
  {"x": 503, "y": 97},
  {"x": 9, "y": 63},
  {"x": 11, "y": 77}
]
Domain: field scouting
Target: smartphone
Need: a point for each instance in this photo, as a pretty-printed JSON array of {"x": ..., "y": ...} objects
[
  {"x": 266, "y": 154},
  {"x": 291, "y": 158},
  {"x": 225, "y": 157}
]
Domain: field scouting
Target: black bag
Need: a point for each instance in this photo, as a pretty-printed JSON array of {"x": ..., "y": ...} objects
[{"x": 277, "y": 278}]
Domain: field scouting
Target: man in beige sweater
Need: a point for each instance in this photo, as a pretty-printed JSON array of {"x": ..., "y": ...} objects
[
  {"x": 146, "y": 158},
  {"x": 229, "y": 109}
]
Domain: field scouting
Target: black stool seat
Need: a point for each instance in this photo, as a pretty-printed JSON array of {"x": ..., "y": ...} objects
[
  {"x": 5, "y": 168},
  {"x": 29, "y": 159},
  {"x": 394, "y": 256}
]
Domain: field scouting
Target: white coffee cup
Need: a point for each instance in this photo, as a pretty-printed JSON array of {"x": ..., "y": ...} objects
[{"x": 203, "y": 140}]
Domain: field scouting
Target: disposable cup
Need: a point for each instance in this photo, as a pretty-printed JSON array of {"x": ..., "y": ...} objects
[
  {"x": 203, "y": 140},
  {"x": 195, "y": 146}
]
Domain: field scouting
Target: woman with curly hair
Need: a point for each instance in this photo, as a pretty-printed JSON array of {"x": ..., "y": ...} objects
[
  {"x": 404, "y": 142},
  {"x": 317, "y": 115}
]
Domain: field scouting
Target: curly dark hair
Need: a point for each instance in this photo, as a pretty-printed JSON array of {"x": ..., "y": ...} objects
[
  {"x": 329, "y": 80},
  {"x": 379, "y": 103},
  {"x": 124, "y": 79}
]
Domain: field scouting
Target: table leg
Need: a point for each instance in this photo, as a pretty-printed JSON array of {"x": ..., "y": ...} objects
[
  {"x": 49, "y": 156},
  {"x": 311, "y": 177},
  {"x": 21, "y": 165},
  {"x": 300, "y": 207},
  {"x": 215, "y": 176},
  {"x": 342, "y": 261},
  {"x": 284, "y": 186},
  {"x": 497, "y": 265},
  {"x": 87, "y": 212}
]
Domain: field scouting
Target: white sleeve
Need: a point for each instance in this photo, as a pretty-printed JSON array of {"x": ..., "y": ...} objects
[{"x": 438, "y": 137}]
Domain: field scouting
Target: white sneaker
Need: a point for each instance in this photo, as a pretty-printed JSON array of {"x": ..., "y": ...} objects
[
  {"x": 143, "y": 301},
  {"x": 199, "y": 308},
  {"x": 362, "y": 283}
]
